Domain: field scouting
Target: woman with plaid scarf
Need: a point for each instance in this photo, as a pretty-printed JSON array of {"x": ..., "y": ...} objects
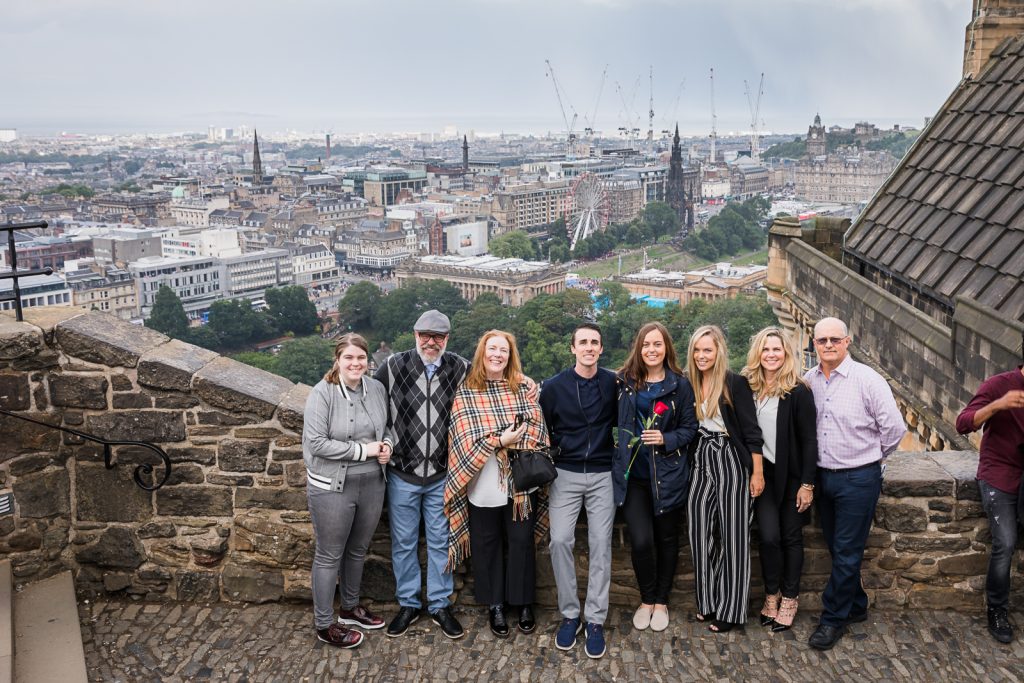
[{"x": 488, "y": 517}]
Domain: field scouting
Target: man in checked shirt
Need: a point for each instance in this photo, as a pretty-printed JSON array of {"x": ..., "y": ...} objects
[{"x": 859, "y": 425}]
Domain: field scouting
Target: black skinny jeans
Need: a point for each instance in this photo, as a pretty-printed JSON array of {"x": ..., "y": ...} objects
[
  {"x": 503, "y": 555},
  {"x": 654, "y": 540},
  {"x": 782, "y": 539}
]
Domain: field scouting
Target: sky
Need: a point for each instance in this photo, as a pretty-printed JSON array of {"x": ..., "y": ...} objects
[{"x": 112, "y": 66}]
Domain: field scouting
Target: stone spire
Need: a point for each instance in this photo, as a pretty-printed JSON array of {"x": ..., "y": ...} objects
[
  {"x": 675, "y": 194},
  {"x": 992, "y": 21},
  {"x": 257, "y": 164},
  {"x": 465, "y": 154}
]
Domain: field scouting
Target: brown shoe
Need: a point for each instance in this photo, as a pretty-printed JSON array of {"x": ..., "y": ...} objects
[
  {"x": 770, "y": 609},
  {"x": 339, "y": 636},
  {"x": 787, "y": 612},
  {"x": 361, "y": 617}
]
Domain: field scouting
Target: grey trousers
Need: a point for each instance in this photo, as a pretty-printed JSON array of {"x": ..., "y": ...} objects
[
  {"x": 343, "y": 524},
  {"x": 568, "y": 493}
]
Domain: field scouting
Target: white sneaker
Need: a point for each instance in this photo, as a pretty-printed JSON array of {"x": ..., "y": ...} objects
[
  {"x": 642, "y": 618},
  {"x": 659, "y": 619}
]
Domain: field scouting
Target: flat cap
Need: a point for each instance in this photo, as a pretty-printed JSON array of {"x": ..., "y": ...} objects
[{"x": 433, "y": 321}]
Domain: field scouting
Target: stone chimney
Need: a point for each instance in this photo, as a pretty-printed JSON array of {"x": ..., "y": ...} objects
[{"x": 992, "y": 21}]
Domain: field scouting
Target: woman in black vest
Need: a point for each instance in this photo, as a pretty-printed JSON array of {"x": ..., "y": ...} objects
[{"x": 787, "y": 417}]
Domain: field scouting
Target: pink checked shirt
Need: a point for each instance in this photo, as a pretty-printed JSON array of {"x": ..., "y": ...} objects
[{"x": 858, "y": 420}]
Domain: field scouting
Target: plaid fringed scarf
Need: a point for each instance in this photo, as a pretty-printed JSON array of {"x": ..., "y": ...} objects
[{"x": 476, "y": 415}]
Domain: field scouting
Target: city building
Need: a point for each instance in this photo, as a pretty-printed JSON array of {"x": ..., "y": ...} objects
[
  {"x": 196, "y": 211},
  {"x": 249, "y": 275},
  {"x": 844, "y": 177},
  {"x": 49, "y": 252},
  {"x": 103, "y": 287},
  {"x": 130, "y": 207},
  {"x": 530, "y": 206},
  {"x": 8, "y": 134},
  {"x": 720, "y": 281},
  {"x": 314, "y": 265},
  {"x": 817, "y": 144},
  {"x": 197, "y": 280},
  {"x": 36, "y": 290},
  {"x": 747, "y": 178},
  {"x": 215, "y": 242},
  {"x": 124, "y": 245},
  {"x": 380, "y": 251},
  {"x": 381, "y": 186},
  {"x": 513, "y": 280},
  {"x": 625, "y": 196}
]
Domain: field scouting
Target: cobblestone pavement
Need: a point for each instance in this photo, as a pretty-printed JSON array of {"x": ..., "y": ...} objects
[{"x": 126, "y": 641}]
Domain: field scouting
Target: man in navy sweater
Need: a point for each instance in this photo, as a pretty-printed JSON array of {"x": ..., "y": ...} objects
[{"x": 580, "y": 409}]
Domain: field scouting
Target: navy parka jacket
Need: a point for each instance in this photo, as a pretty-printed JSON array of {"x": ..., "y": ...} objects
[{"x": 669, "y": 463}]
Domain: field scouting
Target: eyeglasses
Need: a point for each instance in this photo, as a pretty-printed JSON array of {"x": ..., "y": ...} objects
[
  {"x": 824, "y": 341},
  {"x": 436, "y": 338}
]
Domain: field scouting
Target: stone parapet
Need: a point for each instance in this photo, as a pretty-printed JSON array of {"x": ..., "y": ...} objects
[{"x": 231, "y": 522}]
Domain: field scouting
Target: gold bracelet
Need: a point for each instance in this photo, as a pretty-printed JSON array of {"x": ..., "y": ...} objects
[{"x": 809, "y": 487}]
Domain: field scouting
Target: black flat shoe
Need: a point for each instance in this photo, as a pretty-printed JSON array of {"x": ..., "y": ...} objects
[
  {"x": 767, "y": 621},
  {"x": 527, "y": 624},
  {"x": 499, "y": 626}
]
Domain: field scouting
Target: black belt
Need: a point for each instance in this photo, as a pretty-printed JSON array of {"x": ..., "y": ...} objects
[{"x": 849, "y": 469}]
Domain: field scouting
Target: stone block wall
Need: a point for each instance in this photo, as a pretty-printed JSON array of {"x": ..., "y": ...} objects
[{"x": 231, "y": 523}]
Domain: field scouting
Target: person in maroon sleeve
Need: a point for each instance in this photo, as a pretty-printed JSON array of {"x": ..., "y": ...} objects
[{"x": 999, "y": 406}]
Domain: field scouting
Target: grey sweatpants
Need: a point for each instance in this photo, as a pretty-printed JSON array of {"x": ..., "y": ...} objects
[
  {"x": 568, "y": 493},
  {"x": 343, "y": 524}
]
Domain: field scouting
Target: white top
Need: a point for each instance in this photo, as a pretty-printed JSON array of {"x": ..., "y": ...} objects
[
  {"x": 712, "y": 424},
  {"x": 486, "y": 490},
  {"x": 767, "y": 419}
]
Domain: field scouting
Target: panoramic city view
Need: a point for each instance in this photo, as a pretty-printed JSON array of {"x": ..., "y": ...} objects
[{"x": 320, "y": 326}]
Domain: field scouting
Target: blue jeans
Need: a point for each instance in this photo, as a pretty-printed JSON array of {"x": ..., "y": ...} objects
[
  {"x": 846, "y": 504},
  {"x": 1001, "y": 509},
  {"x": 407, "y": 503}
]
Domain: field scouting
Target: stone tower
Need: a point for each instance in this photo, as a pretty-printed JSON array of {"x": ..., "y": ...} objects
[
  {"x": 992, "y": 21},
  {"x": 465, "y": 154},
  {"x": 257, "y": 164},
  {"x": 675, "y": 192},
  {"x": 816, "y": 145},
  {"x": 436, "y": 247}
]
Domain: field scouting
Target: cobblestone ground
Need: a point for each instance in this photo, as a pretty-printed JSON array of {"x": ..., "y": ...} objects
[{"x": 126, "y": 641}]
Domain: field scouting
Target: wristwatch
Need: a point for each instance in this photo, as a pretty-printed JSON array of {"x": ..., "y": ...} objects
[{"x": 809, "y": 487}]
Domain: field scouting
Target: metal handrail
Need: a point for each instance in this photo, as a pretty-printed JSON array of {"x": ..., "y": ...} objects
[
  {"x": 15, "y": 274},
  {"x": 108, "y": 454}
]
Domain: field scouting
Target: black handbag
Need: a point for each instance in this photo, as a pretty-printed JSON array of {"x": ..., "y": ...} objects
[{"x": 532, "y": 468}]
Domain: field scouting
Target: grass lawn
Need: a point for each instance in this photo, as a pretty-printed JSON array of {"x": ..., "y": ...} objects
[{"x": 662, "y": 257}]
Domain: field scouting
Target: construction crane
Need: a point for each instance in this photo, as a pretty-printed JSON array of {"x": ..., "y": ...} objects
[
  {"x": 589, "y": 122},
  {"x": 755, "y": 114},
  {"x": 569, "y": 126},
  {"x": 714, "y": 119},
  {"x": 665, "y": 132},
  {"x": 650, "y": 111},
  {"x": 631, "y": 130}
]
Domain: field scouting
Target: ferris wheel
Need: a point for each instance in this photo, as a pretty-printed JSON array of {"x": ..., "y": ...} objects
[{"x": 588, "y": 208}]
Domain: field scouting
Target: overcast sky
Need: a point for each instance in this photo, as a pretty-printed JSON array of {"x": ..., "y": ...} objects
[{"x": 418, "y": 65}]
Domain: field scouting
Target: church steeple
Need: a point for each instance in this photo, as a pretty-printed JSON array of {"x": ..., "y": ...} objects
[
  {"x": 465, "y": 154},
  {"x": 257, "y": 164},
  {"x": 675, "y": 190}
]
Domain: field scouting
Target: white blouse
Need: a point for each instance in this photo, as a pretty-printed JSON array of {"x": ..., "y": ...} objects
[
  {"x": 486, "y": 490},
  {"x": 767, "y": 419},
  {"x": 712, "y": 424}
]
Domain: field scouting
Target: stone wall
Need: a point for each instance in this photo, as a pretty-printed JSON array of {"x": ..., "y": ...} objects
[{"x": 231, "y": 523}]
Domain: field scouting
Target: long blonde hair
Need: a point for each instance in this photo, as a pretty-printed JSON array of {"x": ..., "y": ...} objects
[
  {"x": 718, "y": 389},
  {"x": 788, "y": 375},
  {"x": 476, "y": 379}
]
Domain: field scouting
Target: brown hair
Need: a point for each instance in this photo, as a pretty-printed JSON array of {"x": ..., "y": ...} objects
[
  {"x": 719, "y": 390},
  {"x": 345, "y": 341},
  {"x": 634, "y": 370},
  {"x": 476, "y": 379}
]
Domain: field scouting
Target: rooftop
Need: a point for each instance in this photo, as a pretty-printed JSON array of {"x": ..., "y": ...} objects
[{"x": 487, "y": 263}]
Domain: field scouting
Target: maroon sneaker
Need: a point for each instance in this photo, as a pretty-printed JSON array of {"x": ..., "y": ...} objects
[
  {"x": 361, "y": 617},
  {"x": 339, "y": 636}
]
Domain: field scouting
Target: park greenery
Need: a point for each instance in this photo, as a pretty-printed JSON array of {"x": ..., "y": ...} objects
[
  {"x": 70, "y": 191},
  {"x": 737, "y": 227},
  {"x": 543, "y": 326},
  {"x": 233, "y": 324},
  {"x": 895, "y": 142}
]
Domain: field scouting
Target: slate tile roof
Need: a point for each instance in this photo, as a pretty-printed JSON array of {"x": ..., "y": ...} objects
[{"x": 949, "y": 221}]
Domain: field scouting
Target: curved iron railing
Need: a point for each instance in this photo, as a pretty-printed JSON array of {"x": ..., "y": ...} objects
[
  {"x": 15, "y": 275},
  {"x": 108, "y": 453}
]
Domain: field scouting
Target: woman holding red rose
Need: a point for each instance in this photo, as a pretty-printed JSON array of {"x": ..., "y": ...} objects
[{"x": 649, "y": 470}]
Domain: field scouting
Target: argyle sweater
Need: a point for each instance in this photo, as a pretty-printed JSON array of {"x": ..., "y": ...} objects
[{"x": 419, "y": 413}]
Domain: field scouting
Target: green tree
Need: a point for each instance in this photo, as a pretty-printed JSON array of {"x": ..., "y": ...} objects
[
  {"x": 291, "y": 310},
  {"x": 132, "y": 166},
  {"x": 661, "y": 219},
  {"x": 305, "y": 360},
  {"x": 486, "y": 313},
  {"x": 236, "y": 324},
  {"x": 263, "y": 361},
  {"x": 168, "y": 315},
  {"x": 397, "y": 312},
  {"x": 542, "y": 351},
  {"x": 204, "y": 337},
  {"x": 515, "y": 244},
  {"x": 356, "y": 308}
]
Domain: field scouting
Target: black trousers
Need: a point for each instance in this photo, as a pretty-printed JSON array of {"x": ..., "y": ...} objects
[
  {"x": 503, "y": 556},
  {"x": 782, "y": 539},
  {"x": 654, "y": 540}
]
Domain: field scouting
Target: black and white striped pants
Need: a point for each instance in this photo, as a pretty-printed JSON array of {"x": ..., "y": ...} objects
[{"x": 719, "y": 512}]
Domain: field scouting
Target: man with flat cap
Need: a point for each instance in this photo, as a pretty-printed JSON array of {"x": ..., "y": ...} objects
[{"x": 421, "y": 385}]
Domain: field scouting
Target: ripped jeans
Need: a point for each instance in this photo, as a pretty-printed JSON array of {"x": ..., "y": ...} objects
[{"x": 1001, "y": 508}]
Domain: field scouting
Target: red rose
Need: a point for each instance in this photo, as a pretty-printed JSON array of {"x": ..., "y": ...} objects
[{"x": 660, "y": 408}]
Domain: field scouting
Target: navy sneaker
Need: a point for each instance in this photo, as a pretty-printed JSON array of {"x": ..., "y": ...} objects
[
  {"x": 567, "y": 632},
  {"x": 595, "y": 641}
]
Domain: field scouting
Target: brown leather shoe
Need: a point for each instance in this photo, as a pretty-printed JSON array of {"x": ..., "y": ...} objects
[
  {"x": 339, "y": 636},
  {"x": 361, "y": 617}
]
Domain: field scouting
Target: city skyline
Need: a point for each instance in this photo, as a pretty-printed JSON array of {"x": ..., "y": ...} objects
[{"x": 109, "y": 66}]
